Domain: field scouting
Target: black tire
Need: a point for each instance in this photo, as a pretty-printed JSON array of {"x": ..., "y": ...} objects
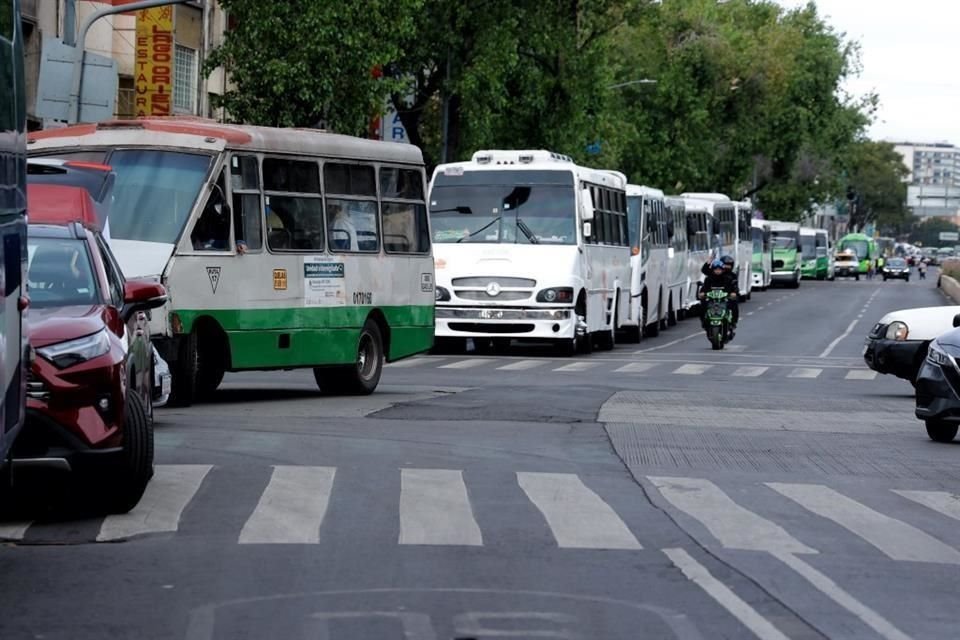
[
  {"x": 567, "y": 347},
  {"x": 362, "y": 377},
  {"x": 633, "y": 334},
  {"x": 653, "y": 329},
  {"x": 716, "y": 338},
  {"x": 183, "y": 372},
  {"x": 940, "y": 431},
  {"x": 857, "y": 277},
  {"x": 607, "y": 339},
  {"x": 671, "y": 314},
  {"x": 125, "y": 484}
]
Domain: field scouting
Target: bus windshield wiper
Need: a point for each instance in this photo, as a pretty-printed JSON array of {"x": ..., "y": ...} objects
[
  {"x": 526, "y": 231},
  {"x": 481, "y": 229}
]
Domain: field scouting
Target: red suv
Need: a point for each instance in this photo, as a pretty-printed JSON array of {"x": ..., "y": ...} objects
[{"x": 90, "y": 384}]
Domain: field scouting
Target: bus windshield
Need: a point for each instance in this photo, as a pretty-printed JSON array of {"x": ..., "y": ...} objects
[
  {"x": 507, "y": 207},
  {"x": 808, "y": 246},
  {"x": 758, "y": 240},
  {"x": 857, "y": 246},
  {"x": 784, "y": 239}
]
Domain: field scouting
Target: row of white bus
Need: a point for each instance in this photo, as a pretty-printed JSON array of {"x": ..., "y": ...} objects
[{"x": 530, "y": 246}]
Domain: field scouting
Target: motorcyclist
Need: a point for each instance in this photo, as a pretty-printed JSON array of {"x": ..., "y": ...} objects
[
  {"x": 728, "y": 272},
  {"x": 718, "y": 278}
]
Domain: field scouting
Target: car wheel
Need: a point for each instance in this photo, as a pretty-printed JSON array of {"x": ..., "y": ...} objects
[
  {"x": 940, "y": 431},
  {"x": 362, "y": 377},
  {"x": 124, "y": 487}
]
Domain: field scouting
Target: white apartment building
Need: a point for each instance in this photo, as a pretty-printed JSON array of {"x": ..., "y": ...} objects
[{"x": 934, "y": 180}]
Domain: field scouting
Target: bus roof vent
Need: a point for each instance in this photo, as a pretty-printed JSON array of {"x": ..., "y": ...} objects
[
  {"x": 485, "y": 158},
  {"x": 525, "y": 156}
]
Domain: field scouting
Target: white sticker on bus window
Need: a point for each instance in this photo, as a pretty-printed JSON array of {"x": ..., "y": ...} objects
[
  {"x": 323, "y": 282},
  {"x": 453, "y": 171}
]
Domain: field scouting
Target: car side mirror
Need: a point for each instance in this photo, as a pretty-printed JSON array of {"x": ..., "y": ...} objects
[
  {"x": 141, "y": 295},
  {"x": 586, "y": 207},
  {"x": 956, "y": 320}
]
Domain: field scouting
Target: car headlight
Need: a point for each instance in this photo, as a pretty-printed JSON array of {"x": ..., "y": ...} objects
[
  {"x": 66, "y": 354},
  {"x": 897, "y": 331},
  {"x": 441, "y": 294},
  {"x": 938, "y": 356},
  {"x": 556, "y": 294}
]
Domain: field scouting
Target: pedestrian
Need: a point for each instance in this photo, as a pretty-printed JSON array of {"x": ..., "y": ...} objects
[
  {"x": 869, "y": 269},
  {"x": 922, "y": 269}
]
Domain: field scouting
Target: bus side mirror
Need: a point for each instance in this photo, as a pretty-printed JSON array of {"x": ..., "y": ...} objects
[
  {"x": 586, "y": 206},
  {"x": 956, "y": 320},
  {"x": 671, "y": 253},
  {"x": 587, "y": 229}
]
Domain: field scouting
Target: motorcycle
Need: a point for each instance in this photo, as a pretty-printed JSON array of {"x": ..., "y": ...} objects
[{"x": 719, "y": 318}]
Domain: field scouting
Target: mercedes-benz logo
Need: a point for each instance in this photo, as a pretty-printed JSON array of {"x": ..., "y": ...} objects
[{"x": 493, "y": 289}]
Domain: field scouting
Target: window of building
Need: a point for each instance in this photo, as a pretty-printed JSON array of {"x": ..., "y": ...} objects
[
  {"x": 126, "y": 97},
  {"x": 185, "y": 80}
]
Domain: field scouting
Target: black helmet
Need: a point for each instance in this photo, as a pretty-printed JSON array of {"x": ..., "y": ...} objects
[{"x": 727, "y": 260}]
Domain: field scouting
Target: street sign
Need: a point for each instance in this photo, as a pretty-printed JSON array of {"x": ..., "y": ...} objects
[
  {"x": 949, "y": 236},
  {"x": 99, "y": 92}
]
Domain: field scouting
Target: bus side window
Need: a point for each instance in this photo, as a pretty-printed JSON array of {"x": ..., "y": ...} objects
[
  {"x": 247, "y": 210},
  {"x": 293, "y": 207},
  {"x": 404, "y": 221},
  {"x": 352, "y": 217}
]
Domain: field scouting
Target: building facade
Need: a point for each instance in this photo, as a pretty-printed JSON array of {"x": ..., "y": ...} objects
[
  {"x": 934, "y": 179},
  {"x": 198, "y": 27}
]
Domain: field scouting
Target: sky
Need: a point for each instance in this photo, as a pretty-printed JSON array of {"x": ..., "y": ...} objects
[{"x": 910, "y": 53}]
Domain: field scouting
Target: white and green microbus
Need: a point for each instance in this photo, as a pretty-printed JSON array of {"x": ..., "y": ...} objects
[{"x": 281, "y": 248}]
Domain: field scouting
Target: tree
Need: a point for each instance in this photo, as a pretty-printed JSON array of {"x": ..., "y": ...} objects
[
  {"x": 298, "y": 63},
  {"x": 926, "y": 232},
  {"x": 876, "y": 174}
]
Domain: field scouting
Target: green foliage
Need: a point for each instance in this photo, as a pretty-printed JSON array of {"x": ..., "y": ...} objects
[
  {"x": 296, "y": 63},
  {"x": 876, "y": 172},
  {"x": 926, "y": 232}
]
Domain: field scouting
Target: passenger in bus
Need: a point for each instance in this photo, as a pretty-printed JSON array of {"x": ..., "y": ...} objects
[
  {"x": 342, "y": 231},
  {"x": 212, "y": 231},
  {"x": 278, "y": 236}
]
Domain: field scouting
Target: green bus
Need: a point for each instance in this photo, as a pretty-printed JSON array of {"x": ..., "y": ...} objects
[
  {"x": 815, "y": 263},
  {"x": 864, "y": 246}
]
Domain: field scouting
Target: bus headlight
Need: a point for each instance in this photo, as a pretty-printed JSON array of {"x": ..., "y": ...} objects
[
  {"x": 556, "y": 294},
  {"x": 897, "y": 331},
  {"x": 441, "y": 294}
]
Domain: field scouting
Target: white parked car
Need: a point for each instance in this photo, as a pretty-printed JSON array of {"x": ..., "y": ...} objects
[{"x": 898, "y": 343}]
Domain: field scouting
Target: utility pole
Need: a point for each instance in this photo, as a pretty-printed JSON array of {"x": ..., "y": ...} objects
[{"x": 80, "y": 51}]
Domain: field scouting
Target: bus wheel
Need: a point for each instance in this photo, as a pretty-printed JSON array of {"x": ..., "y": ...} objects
[
  {"x": 362, "y": 377},
  {"x": 607, "y": 339},
  {"x": 671, "y": 314}
]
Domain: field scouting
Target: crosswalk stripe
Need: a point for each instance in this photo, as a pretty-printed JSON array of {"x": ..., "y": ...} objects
[
  {"x": 741, "y": 610},
  {"x": 942, "y": 502},
  {"x": 171, "y": 489},
  {"x": 521, "y": 365},
  {"x": 411, "y": 362},
  {"x": 896, "y": 539},
  {"x": 732, "y": 525},
  {"x": 578, "y": 366},
  {"x": 435, "y": 509},
  {"x": 14, "y": 530},
  {"x": 291, "y": 508},
  {"x": 750, "y": 372},
  {"x": 805, "y": 372},
  {"x": 466, "y": 364},
  {"x": 692, "y": 369},
  {"x": 577, "y": 517},
  {"x": 636, "y": 367},
  {"x": 860, "y": 374}
]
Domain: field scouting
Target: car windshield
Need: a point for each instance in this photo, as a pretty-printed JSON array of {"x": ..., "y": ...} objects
[
  {"x": 59, "y": 273},
  {"x": 154, "y": 192},
  {"x": 784, "y": 239},
  {"x": 512, "y": 207},
  {"x": 896, "y": 262}
]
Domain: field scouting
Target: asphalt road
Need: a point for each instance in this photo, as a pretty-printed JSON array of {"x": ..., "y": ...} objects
[{"x": 777, "y": 490}]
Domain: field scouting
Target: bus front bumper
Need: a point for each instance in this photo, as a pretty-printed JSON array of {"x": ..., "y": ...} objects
[
  {"x": 494, "y": 322},
  {"x": 785, "y": 276}
]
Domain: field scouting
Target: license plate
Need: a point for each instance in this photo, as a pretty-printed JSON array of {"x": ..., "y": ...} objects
[{"x": 490, "y": 314}]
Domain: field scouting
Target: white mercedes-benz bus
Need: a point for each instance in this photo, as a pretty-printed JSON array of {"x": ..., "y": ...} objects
[{"x": 528, "y": 245}]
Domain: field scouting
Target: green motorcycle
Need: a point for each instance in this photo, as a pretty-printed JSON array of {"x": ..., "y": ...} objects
[{"x": 719, "y": 318}]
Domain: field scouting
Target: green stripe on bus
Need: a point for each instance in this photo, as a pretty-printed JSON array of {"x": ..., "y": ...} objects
[{"x": 316, "y": 335}]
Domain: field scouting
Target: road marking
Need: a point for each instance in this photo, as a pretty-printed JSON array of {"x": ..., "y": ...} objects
[
  {"x": 435, "y": 509},
  {"x": 692, "y": 369},
  {"x": 804, "y": 372},
  {"x": 750, "y": 372},
  {"x": 171, "y": 489},
  {"x": 735, "y": 348},
  {"x": 942, "y": 502},
  {"x": 411, "y": 362},
  {"x": 636, "y": 367},
  {"x": 833, "y": 345},
  {"x": 466, "y": 364},
  {"x": 833, "y": 591},
  {"x": 577, "y": 517},
  {"x": 738, "y": 608},
  {"x": 521, "y": 365},
  {"x": 671, "y": 343},
  {"x": 860, "y": 374},
  {"x": 896, "y": 539},
  {"x": 292, "y": 507},
  {"x": 732, "y": 525},
  {"x": 14, "y": 530},
  {"x": 578, "y": 366}
]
